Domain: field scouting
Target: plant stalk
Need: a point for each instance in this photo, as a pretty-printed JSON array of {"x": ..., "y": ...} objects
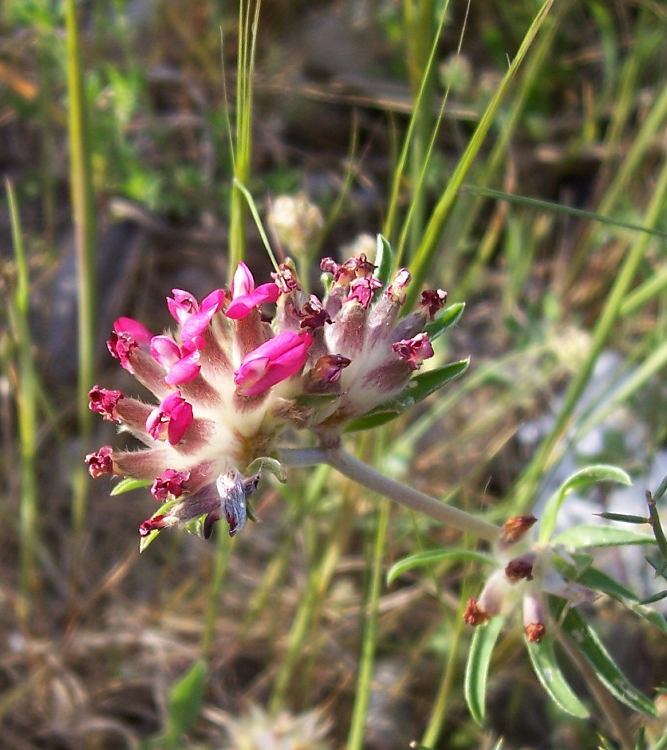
[{"x": 373, "y": 480}]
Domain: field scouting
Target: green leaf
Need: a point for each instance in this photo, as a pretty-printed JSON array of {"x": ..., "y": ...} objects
[
  {"x": 600, "y": 536},
  {"x": 185, "y": 700},
  {"x": 426, "y": 383},
  {"x": 372, "y": 419},
  {"x": 579, "y": 480},
  {"x": 559, "y": 208},
  {"x": 316, "y": 399},
  {"x": 606, "y": 669},
  {"x": 128, "y": 484},
  {"x": 447, "y": 318},
  {"x": 384, "y": 259},
  {"x": 477, "y": 666},
  {"x": 543, "y": 658},
  {"x": 598, "y": 581},
  {"x": 431, "y": 557},
  {"x": 416, "y": 390}
]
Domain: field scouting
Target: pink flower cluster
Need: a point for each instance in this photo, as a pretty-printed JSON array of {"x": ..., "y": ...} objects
[{"x": 227, "y": 382}]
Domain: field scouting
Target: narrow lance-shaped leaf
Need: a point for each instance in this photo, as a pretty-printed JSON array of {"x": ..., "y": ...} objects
[
  {"x": 606, "y": 669},
  {"x": 417, "y": 390},
  {"x": 600, "y": 536},
  {"x": 128, "y": 484},
  {"x": 579, "y": 480},
  {"x": 477, "y": 666},
  {"x": 446, "y": 319},
  {"x": 432, "y": 557},
  {"x": 543, "y": 658}
]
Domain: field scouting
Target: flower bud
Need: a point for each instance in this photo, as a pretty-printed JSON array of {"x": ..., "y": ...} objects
[
  {"x": 433, "y": 300},
  {"x": 296, "y": 222},
  {"x": 515, "y": 528},
  {"x": 414, "y": 351},
  {"x": 100, "y": 462},
  {"x": 534, "y": 617},
  {"x": 170, "y": 420},
  {"x": 103, "y": 401},
  {"x": 327, "y": 370},
  {"x": 169, "y": 483},
  {"x": 521, "y": 568}
]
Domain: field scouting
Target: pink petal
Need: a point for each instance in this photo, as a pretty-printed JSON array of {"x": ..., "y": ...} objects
[
  {"x": 181, "y": 305},
  {"x": 186, "y": 369},
  {"x": 245, "y": 304},
  {"x": 214, "y": 301},
  {"x": 243, "y": 282},
  {"x": 134, "y": 328},
  {"x": 274, "y": 361},
  {"x": 165, "y": 351},
  {"x": 193, "y": 328},
  {"x": 181, "y": 419}
]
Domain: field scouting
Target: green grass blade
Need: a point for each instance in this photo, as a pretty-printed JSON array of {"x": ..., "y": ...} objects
[
  {"x": 26, "y": 400},
  {"x": 363, "y": 692},
  {"x": 429, "y": 245},
  {"x": 477, "y": 667},
  {"x": 543, "y": 658},
  {"x": 258, "y": 222},
  {"x": 523, "y": 200},
  {"x": 577, "y": 481},
  {"x": 83, "y": 208}
]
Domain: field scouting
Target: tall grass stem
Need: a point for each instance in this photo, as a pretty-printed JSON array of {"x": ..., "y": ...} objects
[
  {"x": 26, "y": 404},
  {"x": 83, "y": 208}
]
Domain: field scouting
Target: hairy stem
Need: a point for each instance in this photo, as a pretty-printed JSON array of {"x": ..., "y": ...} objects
[{"x": 372, "y": 479}]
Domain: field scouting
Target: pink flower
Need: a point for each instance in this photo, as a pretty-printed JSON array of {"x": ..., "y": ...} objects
[
  {"x": 245, "y": 296},
  {"x": 170, "y": 482},
  {"x": 170, "y": 420},
  {"x": 100, "y": 462},
  {"x": 104, "y": 401},
  {"x": 193, "y": 317},
  {"x": 274, "y": 361},
  {"x": 126, "y": 336},
  {"x": 182, "y": 365},
  {"x": 414, "y": 351}
]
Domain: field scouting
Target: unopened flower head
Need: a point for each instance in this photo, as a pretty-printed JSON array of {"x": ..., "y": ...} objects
[
  {"x": 296, "y": 222},
  {"x": 525, "y": 573},
  {"x": 227, "y": 383}
]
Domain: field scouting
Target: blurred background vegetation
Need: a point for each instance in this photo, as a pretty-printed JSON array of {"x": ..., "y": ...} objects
[{"x": 550, "y": 209}]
